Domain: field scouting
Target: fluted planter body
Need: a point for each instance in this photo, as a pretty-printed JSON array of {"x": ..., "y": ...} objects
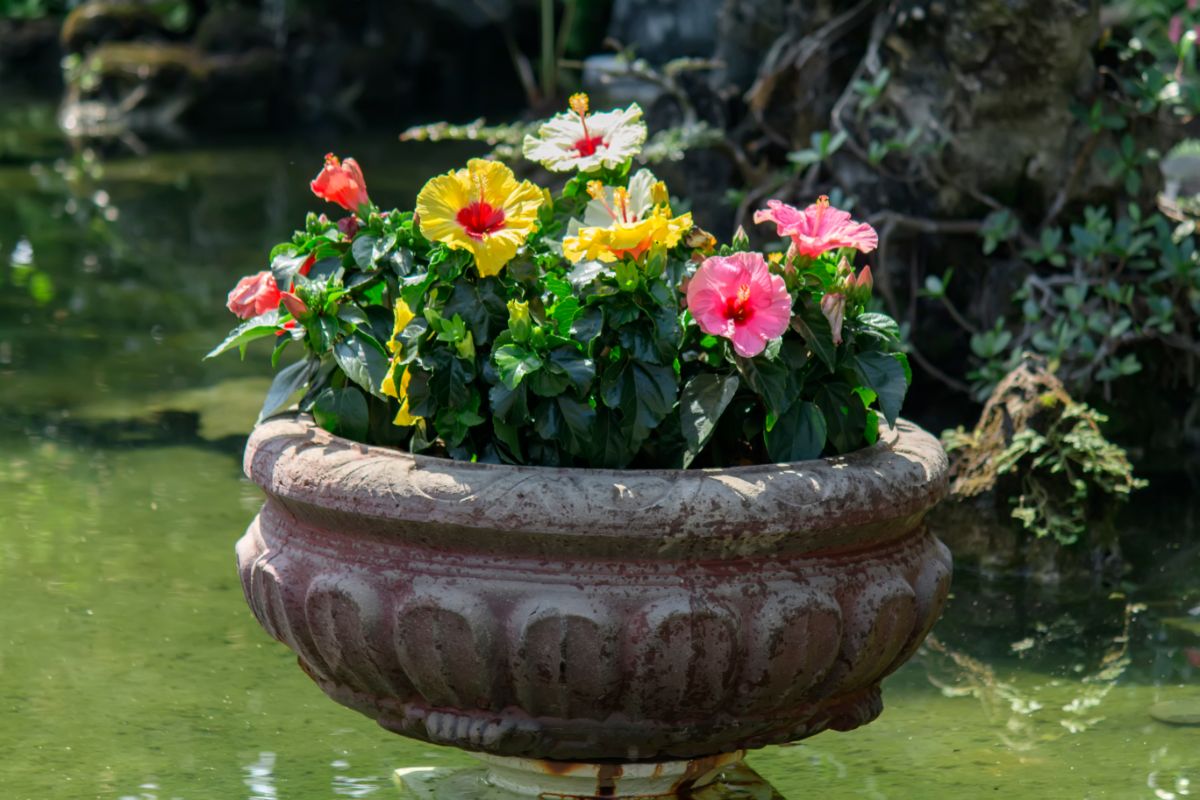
[{"x": 588, "y": 615}]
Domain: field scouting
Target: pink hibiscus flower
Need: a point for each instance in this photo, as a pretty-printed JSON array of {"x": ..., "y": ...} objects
[
  {"x": 737, "y": 297},
  {"x": 254, "y": 295},
  {"x": 818, "y": 228}
]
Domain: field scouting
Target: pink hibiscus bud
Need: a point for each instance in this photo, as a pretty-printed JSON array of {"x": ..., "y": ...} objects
[
  {"x": 348, "y": 226},
  {"x": 738, "y": 298},
  {"x": 1193, "y": 4},
  {"x": 818, "y": 228},
  {"x": 866, "y": 281},
  {"x": 1175, "y": 29},
  {"x": 833, "y": 306},
  {"x": 341, "y": 182},
  {"x": 294, "y": 305},
  {"x": 254, "y": 295}
]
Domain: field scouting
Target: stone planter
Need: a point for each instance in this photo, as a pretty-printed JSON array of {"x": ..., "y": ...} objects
[{"x": 595, "y": 615}]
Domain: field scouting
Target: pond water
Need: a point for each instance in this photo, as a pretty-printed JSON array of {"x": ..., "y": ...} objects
[{"x": 130, "y": 666}]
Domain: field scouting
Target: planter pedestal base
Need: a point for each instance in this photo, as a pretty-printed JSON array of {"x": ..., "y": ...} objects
[{"x": 711, "y": 778}]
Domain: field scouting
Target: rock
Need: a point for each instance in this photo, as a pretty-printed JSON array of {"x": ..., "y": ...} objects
[
  {"x": 1027, "y": 397},
  {"x": 94, "y": 23},
  {"x": 1177, "y": 712},
  {"x": 998, "y": 78},
  {"x": 660, "y": 30}
]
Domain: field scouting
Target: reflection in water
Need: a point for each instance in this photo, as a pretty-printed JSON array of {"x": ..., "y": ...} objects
[{"x": 260, "y": 778}]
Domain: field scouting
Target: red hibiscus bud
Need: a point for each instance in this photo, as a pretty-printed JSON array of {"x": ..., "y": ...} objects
[
  {"x": 307, "y": 265},
  {"x": 290, "y": 325},
  {"x": 348, "y": 226},
  {"x": 341, "y": 183},
  {"x": 293, "y": 304},
  {"x": 254, "y": 295}
]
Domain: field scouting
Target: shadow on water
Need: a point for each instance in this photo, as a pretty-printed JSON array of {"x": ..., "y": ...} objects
[{"x": 130, "y": 667}]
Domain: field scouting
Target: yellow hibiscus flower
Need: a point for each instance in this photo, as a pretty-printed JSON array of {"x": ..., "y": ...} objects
[
  {"x": 483, "y": 209},
  {"x": 404, "y": 315},
  {"x": 621, "y": 222},
  {"x": 403, "y": 416}
]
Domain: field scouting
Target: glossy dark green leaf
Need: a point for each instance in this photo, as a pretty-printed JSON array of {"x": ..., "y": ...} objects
[
  {"x": 578, "y": 368},
  {"x": 812, "y": 325},
  {"x": 703, "y": 401},
  {"x": 342, "y": 412},
  {"x": 256, "y": 328},
  {"x": 845, "y": 417},
  {"x": 288, "y": 381},
  {"x": 798, "y": 435},
  {"x": 509, "y": 405},
  {"x": 363, "y": 360},
  {"x": 285, "y": 265},
  {"x": 363, "y": 251},
  {"x": 883, "y": 374},
  {"x": 774, "y": 381}
]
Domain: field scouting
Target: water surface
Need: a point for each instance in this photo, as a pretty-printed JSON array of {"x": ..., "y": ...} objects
[{"x": 130, "y": 666}]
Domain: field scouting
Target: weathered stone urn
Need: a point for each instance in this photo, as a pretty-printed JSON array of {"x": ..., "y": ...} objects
[{"x": 595, "y": 615}]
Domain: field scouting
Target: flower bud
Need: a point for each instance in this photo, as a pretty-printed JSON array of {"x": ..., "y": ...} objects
[
  {"x": 519, "y": 321},
  {"x": 294, "y": 305},
  {"x": 833, "y": 306}
]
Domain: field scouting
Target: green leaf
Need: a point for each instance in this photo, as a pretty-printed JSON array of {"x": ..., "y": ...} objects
[
  {"x": 363, "y": 360},
  {"x": 248, "y": 331},
  {"x": 342, "y": 412},
  {"x": 578, "y": 368},
  {"x": 513, "y": 363},
  {"x": 773, "y": 381},
  {"x": 644, "y": 394},
  {"x": 288, "y": 381},
  {"x": 704, "y": 400},
  {"x": 881, "y": 324},
  {"x": 509, "y": 405},
  {"x": 813, "y": 326},
  {"x": 363, "y": 251},
  {"x": 285, "y": 265},
  {"x": 883, "y": 374},
  {"x": 578, "y": 418},
  {"x": 845, "y": 417},
  {"x": 798, "y": 435}
]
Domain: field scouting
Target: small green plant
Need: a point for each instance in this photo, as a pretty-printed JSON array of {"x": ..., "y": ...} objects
[{"x": 1063, "y": 470}]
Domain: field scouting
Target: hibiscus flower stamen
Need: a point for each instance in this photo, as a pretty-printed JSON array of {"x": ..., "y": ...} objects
[
  {"x": 737, "y": 307},
  {"x": 587, "y": 144}
]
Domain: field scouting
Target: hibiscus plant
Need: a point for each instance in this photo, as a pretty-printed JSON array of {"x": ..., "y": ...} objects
[{"x": 591, "y": 326}]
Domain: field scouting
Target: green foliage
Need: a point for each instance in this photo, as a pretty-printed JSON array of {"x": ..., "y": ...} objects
[
  {"x": 1063, "y": 471},
  {"x": 1101, "y": 290}
]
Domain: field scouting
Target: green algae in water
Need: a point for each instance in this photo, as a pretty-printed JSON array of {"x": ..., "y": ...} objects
[{"x": 130, "y": 666}]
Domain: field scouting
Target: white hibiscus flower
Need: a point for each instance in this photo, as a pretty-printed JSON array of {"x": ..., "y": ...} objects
[{"x": 577, "y": 140}]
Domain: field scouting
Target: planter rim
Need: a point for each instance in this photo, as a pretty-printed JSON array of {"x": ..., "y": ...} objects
[{"x": 310, "y": 470}]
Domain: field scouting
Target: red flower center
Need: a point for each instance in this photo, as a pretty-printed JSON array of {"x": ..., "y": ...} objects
[
  {"x": 479, "y": 219},
  {"x": 738, "y": 308},
  {"x": 588, "y": 144}
]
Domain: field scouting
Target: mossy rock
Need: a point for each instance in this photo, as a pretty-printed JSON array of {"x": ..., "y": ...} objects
[{"x": 93, "y": 24}]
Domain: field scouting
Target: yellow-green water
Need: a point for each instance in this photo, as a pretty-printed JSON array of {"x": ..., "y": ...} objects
[{"x": 131, "y": 668}]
